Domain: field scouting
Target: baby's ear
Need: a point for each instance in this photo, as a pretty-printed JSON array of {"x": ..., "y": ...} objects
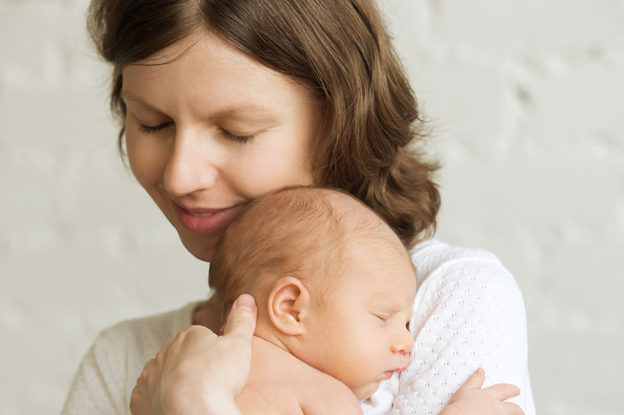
[{"x": 288, "y": 301}]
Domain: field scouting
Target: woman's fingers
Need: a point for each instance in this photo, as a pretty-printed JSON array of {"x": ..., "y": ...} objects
[
  {"x": 511, "y": 408},
  {"x": 475, "y": 381},
  {"x": 241, "y": 320},
  {"x": 471, "y": 398},
  {"x": 503, "y": 391},
  {"x": 161, "y": 355},
  {"x": 140, "y": 400},
  {"x": 198, "y": 367}
]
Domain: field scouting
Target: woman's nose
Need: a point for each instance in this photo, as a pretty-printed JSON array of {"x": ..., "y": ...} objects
[
  {"x": 403, "y": 343},
  {"x": 189, "y": 168}
]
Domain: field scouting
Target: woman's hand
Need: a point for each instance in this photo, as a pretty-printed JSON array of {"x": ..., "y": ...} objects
[
  {"x": 471, "y": 399},
  {"x": 199, "y": 372}
]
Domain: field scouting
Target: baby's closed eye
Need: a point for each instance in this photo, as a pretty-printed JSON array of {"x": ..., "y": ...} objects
[{"x": 382, "y": 316}]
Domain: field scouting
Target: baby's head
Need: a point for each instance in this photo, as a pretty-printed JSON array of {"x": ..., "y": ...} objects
[{"x": 333, "y": 283}]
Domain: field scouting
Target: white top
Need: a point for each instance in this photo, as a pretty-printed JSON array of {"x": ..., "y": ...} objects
[{"x": 468, "y": 313}]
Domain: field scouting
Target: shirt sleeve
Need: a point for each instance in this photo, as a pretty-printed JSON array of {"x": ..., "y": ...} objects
[
  {"x": 98, "y": 386},
  {"x": 108, "y": 372},
  {"x": 468, "y": 313}
]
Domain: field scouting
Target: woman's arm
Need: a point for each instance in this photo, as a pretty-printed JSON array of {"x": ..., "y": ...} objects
[
  {"x": 92, "y": 391},
  {"x": 199, "y": 372},
  {"x": 469, "y": 313},
  {"x": 473, "y": 399}
]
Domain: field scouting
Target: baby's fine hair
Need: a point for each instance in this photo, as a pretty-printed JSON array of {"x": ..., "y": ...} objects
[{"x": 298, "y": 231}]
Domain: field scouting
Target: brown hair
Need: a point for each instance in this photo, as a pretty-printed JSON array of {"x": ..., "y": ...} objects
[
  {"x": 301, "y": 231},
  {"x": 341, "y": 50}
]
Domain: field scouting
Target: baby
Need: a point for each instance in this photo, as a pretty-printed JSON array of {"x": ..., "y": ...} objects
[{"x": 334, "y": 288}]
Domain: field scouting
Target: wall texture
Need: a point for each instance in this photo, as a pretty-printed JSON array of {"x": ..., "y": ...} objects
[{"x": 525, "y": 98}]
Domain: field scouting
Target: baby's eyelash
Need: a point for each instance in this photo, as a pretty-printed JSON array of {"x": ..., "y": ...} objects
[{"x": 381, "y": 317}]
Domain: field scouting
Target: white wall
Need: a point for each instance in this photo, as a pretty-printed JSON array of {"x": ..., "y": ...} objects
[{"x": 526, "y": 99}]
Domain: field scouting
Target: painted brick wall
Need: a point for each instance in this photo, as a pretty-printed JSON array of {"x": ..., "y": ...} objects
[{"x": 525, "y": 99}]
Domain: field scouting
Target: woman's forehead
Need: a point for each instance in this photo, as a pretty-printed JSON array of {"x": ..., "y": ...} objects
[
  {"x": 205, "y": 71},
  {"x": 203, "y": 53}
]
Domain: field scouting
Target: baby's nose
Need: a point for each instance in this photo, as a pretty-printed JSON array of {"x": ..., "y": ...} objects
[{"x": 403, "y": 343}]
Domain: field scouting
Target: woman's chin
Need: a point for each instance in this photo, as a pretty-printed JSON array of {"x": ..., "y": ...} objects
[{"x": 200, "y": 249}]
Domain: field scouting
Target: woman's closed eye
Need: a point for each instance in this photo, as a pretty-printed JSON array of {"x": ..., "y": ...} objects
[
  {"x": 237, "y": 138},
  {"x": 151, "y": 129}
]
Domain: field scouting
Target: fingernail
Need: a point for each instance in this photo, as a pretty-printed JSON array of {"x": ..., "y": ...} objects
[{"x": 246, "y": 301}]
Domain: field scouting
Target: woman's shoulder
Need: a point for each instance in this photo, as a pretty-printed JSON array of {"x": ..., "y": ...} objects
[
  {"x": 431, "y": 255},
  {"x": 438, "y": 262},
  {"x": 150, "y": 330},
  {"x": 468, "y": 313},
  {"x": 137, "y": 340},
  {"x": 452, "y": 273},
  {"x": 109, "y": 369}
]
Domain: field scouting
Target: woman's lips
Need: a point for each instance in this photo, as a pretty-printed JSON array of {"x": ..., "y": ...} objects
[{"x": 206, "y": 220}]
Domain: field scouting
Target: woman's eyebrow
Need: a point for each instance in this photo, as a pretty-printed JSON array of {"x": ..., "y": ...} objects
[
  {"x": 128, "y": 96},
  {"x": 242, "y": 109}
]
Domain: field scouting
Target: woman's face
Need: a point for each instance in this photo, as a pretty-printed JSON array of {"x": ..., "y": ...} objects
[{"x": 210, "y": 131}]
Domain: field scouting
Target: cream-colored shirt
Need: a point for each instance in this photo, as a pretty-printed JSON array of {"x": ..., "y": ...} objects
[{"x": 468, "y": 313}]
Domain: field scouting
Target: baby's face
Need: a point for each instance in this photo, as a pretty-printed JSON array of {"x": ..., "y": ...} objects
[{"x": 362, "y": 337}]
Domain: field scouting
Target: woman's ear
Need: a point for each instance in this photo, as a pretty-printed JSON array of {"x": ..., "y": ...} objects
[{"x": 288, "y": 302}]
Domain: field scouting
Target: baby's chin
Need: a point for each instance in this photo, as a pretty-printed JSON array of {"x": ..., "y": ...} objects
[{"x": 366, "y": 391}]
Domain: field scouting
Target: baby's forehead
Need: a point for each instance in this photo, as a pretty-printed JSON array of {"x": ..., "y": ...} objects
[
  {"x": 364, "y": 233},
  {"x": 358, "y": 218},
  {"x": 376, "y": 257},
  {"x": 382, "y": 278},
  {"x": 343, "y": 203}
]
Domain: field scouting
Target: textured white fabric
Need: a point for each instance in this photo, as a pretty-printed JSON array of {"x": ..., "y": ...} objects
[
  {"x": 109, "y": 370},
  {"x": 468, "y": 313}
]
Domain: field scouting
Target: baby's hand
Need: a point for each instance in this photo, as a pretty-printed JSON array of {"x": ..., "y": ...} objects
[{"x": 471, "y": 399}]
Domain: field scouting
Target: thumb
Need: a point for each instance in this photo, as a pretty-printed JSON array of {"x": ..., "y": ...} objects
[
  {"x": 241, "y": 320},
  {"x": 475, "y": 381}
]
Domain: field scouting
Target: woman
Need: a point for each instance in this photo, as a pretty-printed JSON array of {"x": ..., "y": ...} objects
[{"x": 222, "y": 101}]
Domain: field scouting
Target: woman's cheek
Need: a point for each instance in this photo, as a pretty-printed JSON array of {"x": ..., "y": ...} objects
[
  {"x": 147, "y": 159},
  {"x": 285, "y": 162}
]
